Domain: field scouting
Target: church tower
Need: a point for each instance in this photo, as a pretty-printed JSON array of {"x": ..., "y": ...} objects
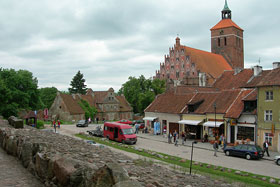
[{"x": 227, "y": 40}]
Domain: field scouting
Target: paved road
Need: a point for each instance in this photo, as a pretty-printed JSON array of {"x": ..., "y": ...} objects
[
  {"x": 262, "y": 167},
  {"x": 12, "y": 173}
]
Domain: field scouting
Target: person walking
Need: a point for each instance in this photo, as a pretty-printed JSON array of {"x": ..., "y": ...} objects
[
  {"x": 183, "y": 138},
  {"x": 215, "y": 146},
  {"x": 265, "y": 147},
  {"x": 54, "y": 125},
  {"x": 169, "y": 137},
  {"x": 137, "y": 128},
  {"x": 58, "y": 124},
  {"x": 175, "y": 138}
]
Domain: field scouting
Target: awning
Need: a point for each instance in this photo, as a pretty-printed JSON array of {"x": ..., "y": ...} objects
[
  {"x": 150, "y": 118},
  {"x": 189, "y": 122},
  {"x": 212, "y": 124}
]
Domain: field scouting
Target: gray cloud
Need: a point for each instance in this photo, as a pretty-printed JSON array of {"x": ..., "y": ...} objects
[{"x": 108, "y": 41}]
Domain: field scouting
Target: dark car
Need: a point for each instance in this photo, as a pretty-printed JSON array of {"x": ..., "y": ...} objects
[
  {"x": 82, "y": 123},
  {"x": 245, "y": 150},
  {"x": 137, "y": 121}
]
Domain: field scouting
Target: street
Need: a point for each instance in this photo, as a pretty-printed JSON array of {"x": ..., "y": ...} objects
[{"x": 261, "y": 167}]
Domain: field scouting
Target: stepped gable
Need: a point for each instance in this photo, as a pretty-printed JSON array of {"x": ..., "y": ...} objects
[
  {"x": 210, "y": 63},
  {"x": 238, "y": 105},
  {"x": 232, "y": 80},
  {"x": 272, "y": 78},
  {"x": 169, "y": 103}
]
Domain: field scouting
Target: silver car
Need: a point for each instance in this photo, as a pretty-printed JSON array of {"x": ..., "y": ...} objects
[{"x": 277, "y": 160}]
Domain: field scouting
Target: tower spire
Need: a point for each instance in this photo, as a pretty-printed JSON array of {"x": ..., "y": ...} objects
[{"x": 226, "y": 12}]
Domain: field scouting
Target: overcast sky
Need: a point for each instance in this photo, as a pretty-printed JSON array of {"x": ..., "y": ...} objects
[{"x": 110, "y": 40}]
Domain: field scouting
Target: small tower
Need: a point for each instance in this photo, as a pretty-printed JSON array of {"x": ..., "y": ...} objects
[{"x": 227, "y": 39}]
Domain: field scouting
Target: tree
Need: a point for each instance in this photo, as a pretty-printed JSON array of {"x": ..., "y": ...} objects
[
  {"x": 90, "y": 111},
  {"x": 18, "y": 90},
  {"x": 78, "y": 84},
  {"x": 47, "y": 96},
  {"x": 140, "y": 92}
]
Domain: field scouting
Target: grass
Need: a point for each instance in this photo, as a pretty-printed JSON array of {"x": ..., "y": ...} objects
[{"x": 229, "y": 175}]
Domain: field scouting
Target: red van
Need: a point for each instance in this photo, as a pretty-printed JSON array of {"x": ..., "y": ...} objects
[{"x": 119, "y": 132}]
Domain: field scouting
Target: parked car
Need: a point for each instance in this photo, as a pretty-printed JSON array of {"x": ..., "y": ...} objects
[
  {"x": 137, "y": 121},
  {"x": 245, "y": 150},
  {"x": 119, "y": 132},
  {"x": 82, "y": 123},
  {"x": 125, "y": 121},
  {"x": 97, "y": 132},
  {"x": 277, "y": 160}
]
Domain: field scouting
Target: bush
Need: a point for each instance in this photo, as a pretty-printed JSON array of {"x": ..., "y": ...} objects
[{"x": 40, "y": 124}]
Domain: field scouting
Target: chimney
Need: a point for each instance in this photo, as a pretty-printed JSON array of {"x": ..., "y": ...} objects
[
  {"x": 202, "y": 79},
  {"x": 257, "y": 70},
  {"x": 276, "y": 65}
]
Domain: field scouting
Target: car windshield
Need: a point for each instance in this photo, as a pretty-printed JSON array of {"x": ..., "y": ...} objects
[
  {"x": 81, "y": 121},
  {"x": 127, "y": 131}
]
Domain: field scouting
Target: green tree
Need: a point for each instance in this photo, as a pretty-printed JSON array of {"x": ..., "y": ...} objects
[
  {"x": 78, "y": 84},
  {"x": 90, "y": 111},
  {"x": 19, "y": 90},
  {"x": 140, "y": 92},
  {"x": 47, "y": 96}
]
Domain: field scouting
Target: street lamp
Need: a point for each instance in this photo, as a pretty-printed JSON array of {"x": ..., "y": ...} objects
[
  {"x": 194, "y": 142},
  {"x": 214, "y": 105}
]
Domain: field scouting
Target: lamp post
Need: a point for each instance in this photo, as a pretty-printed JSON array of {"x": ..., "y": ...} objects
[
  {"x": 214, "y": 105},
  {"x": 194, "y": 142}
]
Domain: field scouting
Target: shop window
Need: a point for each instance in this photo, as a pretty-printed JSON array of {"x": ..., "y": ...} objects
[
  {"x": 269, "y": 95},
  {"x": 245, "y": 133},
  {"x": 268, "y": 138},
  {"x": 268, "y": 115}
]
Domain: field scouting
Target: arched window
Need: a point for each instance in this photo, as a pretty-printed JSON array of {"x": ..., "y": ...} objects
[{"x": 219, "y": 42}]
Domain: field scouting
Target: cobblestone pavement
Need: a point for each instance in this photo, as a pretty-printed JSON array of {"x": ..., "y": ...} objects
[{"x": 12, "y": 173}]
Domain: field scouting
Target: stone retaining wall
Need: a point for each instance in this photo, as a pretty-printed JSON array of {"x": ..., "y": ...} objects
[{"x": 59, "y": 160}]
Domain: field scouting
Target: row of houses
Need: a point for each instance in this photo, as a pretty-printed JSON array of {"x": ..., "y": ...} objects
[
  {"x": 109, "y": 106},
  {"x": 241, "y": 104}
]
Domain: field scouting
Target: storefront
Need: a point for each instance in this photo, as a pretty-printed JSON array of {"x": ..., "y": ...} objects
[
  {"x": 192, "y": 128},
  {"x": 245, "y": 133},
  {"x": 149, "y": 122},
  {"x": 213, "y": 128}
]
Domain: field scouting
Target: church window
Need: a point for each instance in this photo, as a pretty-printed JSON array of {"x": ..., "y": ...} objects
[
  {"x": 172, "y": 67},
  {"x": 177, "y": 59},
  {"x": 193, "y": 65},
  {"x": 182, "y": 50},
  {"x": 225, "y": 41},
  {"x": 187, "y": 57},
  {"x": 219, "y": 42},
  {"x": 177, "y": 74},
  {"x": 188, "y": 73},
  {"x": 168, "y": 76}
]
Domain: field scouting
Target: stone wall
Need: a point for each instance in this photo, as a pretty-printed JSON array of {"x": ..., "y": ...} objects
[{"x": 59, "y": 160}]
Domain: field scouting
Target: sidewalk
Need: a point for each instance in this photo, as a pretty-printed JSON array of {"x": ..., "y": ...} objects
[{"x": 199, "y": 145}]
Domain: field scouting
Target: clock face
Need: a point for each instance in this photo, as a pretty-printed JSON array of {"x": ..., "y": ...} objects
[{"x": 222, "y": 32}]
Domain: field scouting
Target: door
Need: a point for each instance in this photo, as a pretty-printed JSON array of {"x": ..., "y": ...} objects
[
  {"x": 116, "y": 131},
  {"x": 173, "y": 127},
  {"x": 232, "y": 134}
]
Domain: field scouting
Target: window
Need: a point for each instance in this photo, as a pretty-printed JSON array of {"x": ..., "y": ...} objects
[
  {"x": 268, "y": 115},
  {"x": 245, "y": 132},
  {"x": 177, "y": 59},
  {"x": 269, "y": 95},
  {"x": 219, "y": 42},
  {"x": 268, "y": 138},
  {"x": 177, "y": 74},
  {"x": 225, "y": 41}
]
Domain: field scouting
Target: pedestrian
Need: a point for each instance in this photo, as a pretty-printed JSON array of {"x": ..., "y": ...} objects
[
  {"x": 224, "y": 142},
  {"x": 175, "y": 138},
  {"x": 89, "y": 120},
  {"x": 136, "y": 128},
  {"x": 265, "y": 147},
  {"x": 221, "y": 140},
  {"x": 169, "y": 137},
  {"x": 215, "y": 146},
  {"x": 58, "y": 124},
  {"x": 97, "y": 120},
  {"x": 183, "y": 138},
  {"x": 54, "y": 125}
]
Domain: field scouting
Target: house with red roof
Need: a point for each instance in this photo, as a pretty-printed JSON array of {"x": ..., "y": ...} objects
[
  {"x": 190, "y": 66},
  {"x": 109, "y": 106}
]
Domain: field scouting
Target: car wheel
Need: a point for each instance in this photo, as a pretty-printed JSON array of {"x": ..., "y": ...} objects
[
  {"x": 248, "y": 157},
  {"x": 278, "y": 162},
  {"x": 227, "y": 153}
]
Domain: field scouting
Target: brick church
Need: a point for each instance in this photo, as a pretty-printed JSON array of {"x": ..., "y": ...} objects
[{"x": 189, "y": 66}]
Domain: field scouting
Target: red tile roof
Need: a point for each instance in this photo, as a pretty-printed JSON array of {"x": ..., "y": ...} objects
[
  {"x": 272, "y": 78},
  {"x": 252, "y": 96},
  {"x": 124, "y": 105},
  {"x": 230, "y": 80},
  {"x": 184, "y": 89},
  {"x": 236, "y": 108},
  {"x": 169, "y": 103},
  {"x": 72, "y": 103},
  {"x": 252, "y": 83},
  {"x": 210, "y": 63},
  {"x": 224, "y": 23}
]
